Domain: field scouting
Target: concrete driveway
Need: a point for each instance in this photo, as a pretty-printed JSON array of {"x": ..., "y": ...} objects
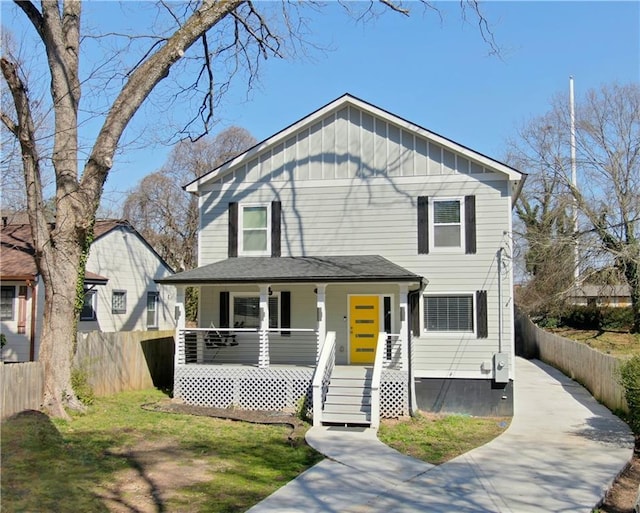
[{"x": 560, "y": 453}]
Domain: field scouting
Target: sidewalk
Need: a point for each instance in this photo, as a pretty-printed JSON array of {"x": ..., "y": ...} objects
[{"x": 560, "y": 453}]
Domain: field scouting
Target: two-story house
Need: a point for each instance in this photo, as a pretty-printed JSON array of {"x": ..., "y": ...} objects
[
  {"x": 357, "y": 255},
  {"x": 120, "y": 291}
]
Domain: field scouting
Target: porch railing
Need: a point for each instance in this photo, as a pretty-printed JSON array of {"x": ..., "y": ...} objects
[
  {"x": 392, "y": 351},
  {"x": 381, "y": 352},
  {"x": 248, "y": 346},
  {"x": 322, "y": 376}
]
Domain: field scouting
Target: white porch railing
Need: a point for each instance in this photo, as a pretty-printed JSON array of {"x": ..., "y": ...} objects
[
  {"x": 381, "y": 352},
  {"x": 392, "y": 351},
  {"x": 247, "y": 346},
  {"x": 320, "y": 384}
]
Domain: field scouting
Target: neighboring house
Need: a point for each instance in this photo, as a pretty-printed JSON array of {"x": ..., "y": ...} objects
[
  {"x": 601, "y": 295},
  {"x": 357, "y": 255},
  {"x": 120, "y": 291}
]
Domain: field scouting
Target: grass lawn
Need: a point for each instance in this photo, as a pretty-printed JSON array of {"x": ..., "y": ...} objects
[
  {"x": 118, "y": 457},
  {"x": 616, "y": 343},
  {"x": 439, "y": 438}
]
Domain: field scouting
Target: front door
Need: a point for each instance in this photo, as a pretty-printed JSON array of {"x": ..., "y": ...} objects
[{"x": 364, "y": 325}]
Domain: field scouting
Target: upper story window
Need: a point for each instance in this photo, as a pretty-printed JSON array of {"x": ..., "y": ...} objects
[
  {"x": 7, "y": 297},
  {"x": 88, "y": 312},
  {"x": 255, "y": 230},
  {"x": 119, "y": 301},
  {"x": 448, "y": 227}
]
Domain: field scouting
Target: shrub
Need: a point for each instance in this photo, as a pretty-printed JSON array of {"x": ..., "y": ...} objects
[
  {"x": 81, "y": 386},
  {"x": 583, "y": 318},
  {"x": 617, "y": 318},
  {"x": 630, "y": 380}
]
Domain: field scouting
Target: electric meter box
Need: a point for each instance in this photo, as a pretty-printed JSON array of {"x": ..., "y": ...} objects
[{"x": 501, "y": 367}]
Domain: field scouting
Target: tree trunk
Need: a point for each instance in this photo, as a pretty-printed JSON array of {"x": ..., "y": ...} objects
[{"x": 57, "y": 341}]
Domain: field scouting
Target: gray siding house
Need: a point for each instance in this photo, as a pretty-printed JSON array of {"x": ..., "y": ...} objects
[{"x": 355, "y": 260}]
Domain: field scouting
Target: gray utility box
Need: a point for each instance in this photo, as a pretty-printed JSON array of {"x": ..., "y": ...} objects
[{"x": 501, "y": 367}]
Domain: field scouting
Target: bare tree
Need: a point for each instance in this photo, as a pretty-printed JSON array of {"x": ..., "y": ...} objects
[
  {"x": 191, "y": 39},
  {"x": 608, "y": 192}
]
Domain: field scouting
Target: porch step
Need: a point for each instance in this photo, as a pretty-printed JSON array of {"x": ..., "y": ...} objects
[
  {"x": 348, "y": 399},
  {"x": 346, "y": 418}
]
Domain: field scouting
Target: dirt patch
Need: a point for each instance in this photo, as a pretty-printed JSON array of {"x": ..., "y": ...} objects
[
  {"x": 621, "y": 497},
  {"x": 254, "y": 416}
]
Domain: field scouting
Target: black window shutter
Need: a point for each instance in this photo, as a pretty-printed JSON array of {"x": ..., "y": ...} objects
[
  {"x": 285, "y": 312},
  {"x": 470, "y": 224},
  {"x": 224, "y": 309},
  {"x": 233, "y": 230},
  {"x": 414, "y": 309},
  {"x": 481, "y": 314},
  {"x": 423, "y": 225},
  {"x": 276, "y": 209}
]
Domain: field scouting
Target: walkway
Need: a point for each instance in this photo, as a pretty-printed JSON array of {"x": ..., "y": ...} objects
[{"x": 560, "y": 453}]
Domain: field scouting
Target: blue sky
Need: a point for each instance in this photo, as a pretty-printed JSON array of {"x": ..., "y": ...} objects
[{"x": 438, "y": 74}]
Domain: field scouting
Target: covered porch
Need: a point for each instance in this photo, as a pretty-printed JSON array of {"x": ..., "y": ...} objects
[{"x": 265, "y": 326}]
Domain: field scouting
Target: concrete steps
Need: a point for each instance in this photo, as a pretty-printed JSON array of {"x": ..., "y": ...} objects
[{"x": 348, "y": 400}]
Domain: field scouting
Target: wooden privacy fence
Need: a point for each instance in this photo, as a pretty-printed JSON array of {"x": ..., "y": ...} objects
[
  {"x": 596, "y": 371},
  {"x": 128, "y": 360},
  {"x": 112, "y": 362},
  {"x": 22, "y": 387}
]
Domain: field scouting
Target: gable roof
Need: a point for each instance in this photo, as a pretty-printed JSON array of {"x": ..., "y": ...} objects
[
  {"x": 365, "y": 268},
  {"x": 17, "y": 261},
  {"x": 337, "y": 104}
]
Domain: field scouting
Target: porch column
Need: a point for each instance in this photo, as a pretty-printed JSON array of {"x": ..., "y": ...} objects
[
  {"x": 263, "y": 353},
  {"x": 180, "y": 325},
  {"x": 404, "y": 326},
  {"x": 321, "y": 316}
]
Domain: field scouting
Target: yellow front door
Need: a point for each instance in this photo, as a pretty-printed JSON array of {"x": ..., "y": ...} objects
[{"x": 364, "y": 324}]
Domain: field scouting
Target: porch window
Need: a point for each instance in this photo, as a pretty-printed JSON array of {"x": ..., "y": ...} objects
[
  {"x": 246, "y": 312},
  {"x": 448, "y": 313},
  {"x": 254, "y": 230},
  {"x": 7, "y": 300},
  {"x": 88, "y": 312},
  {"x": 119, "y": 301},
  {"x": 447, "y": 223},
  {"x": 152, "y": 309}
]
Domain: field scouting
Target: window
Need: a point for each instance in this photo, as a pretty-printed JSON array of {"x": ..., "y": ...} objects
[
  {"x": 88, "y": 312},
  {"x": 448, "y": 313},
  {"x": 254, "y": 230},
  {"x": 447, "y": 223},
  {"x": 246, "y": 312},
  {"x": 119, "y": 301},
  {"x": 152, "y": 309},
  {"x": 7, "y": 302}
]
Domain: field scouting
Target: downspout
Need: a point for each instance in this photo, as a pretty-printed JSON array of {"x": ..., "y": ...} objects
[
  {"x": 412, "y": 385},
  {"x": 500, "y": 313}
]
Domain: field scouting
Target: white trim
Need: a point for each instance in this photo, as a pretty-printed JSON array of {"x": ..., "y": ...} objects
[
  {"x": 337, "y": 104},
  {"x": 464, "y": 374},
  {"x": 432, "y": 225},
  {"x": 241, "y": 250}
]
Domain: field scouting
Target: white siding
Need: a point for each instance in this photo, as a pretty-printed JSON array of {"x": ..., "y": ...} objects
[
  {"x": 351, "y": 188},
  {"x": 130, "y": 265}
]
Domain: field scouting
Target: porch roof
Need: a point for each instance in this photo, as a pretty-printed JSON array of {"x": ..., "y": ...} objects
[{"x": 361, "y": 268}]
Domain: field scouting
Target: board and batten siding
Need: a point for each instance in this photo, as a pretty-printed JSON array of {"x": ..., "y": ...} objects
[
  {"x": 349, "y": 184},
  {"x": 130, "y": 265}
]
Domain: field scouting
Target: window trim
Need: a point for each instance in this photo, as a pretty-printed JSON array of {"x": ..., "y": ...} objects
[
  {"x": 119, "y": 310},
  {"x": 443, "y": 333},
  {"x": 93, "y": 293},
  {"x": 460, "y": 248},
  {"x": 274, "y": 294},
  {"x": 13, "y": 303},
  {"x": 267, "y": 229},
  {"x": 155, "y": 324}
]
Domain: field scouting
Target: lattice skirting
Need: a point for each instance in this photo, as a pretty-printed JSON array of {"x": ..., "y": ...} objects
[{"x": 277, "y": 389}]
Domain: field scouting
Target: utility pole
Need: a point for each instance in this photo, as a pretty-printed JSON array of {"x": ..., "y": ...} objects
[{"x": 574, "y": 184}]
